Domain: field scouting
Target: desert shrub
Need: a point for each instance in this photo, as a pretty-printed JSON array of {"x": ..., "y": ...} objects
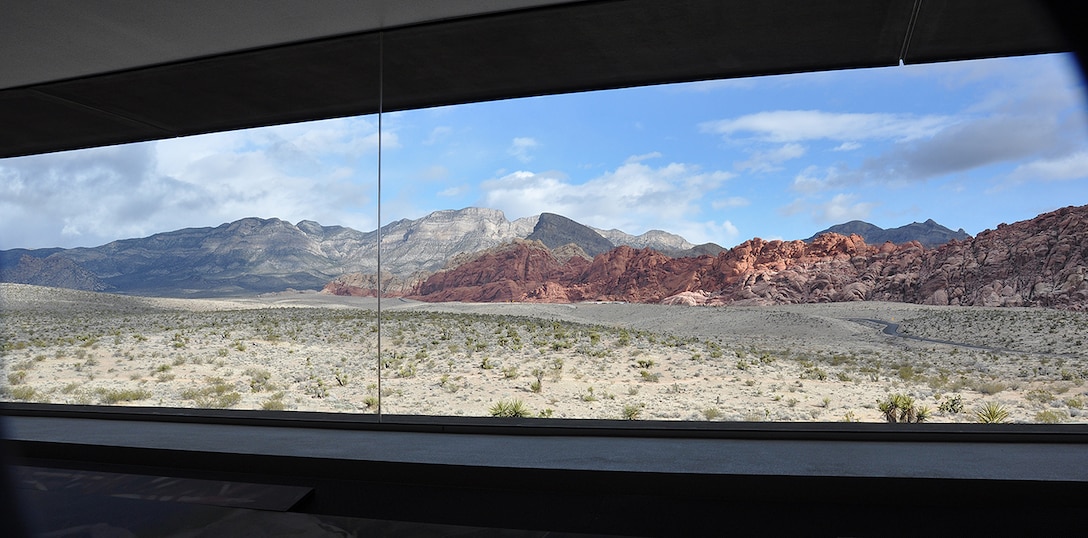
[
  {"x": 112, "y": 396},
  {"x": 906, "y": 373},
  {"x": 991, "y": 413},
  {"x": 406, "y": 371},
  {"x": 516, "y": 408},
  {"x": 258, "y": 379},
  {"x": 341, "y": 378},
  {"x": 274, "y": 402},
  {"x": 652, "y": 377},
  {"x": 990, "y": 387},
  {"x": 952, "y": 405},
  {"x": 451, "y": 385},
  {"x": 23, "y": 392},
  {"x": 1049, "y": 416},
  {"x": 371, "y": 402},
  {"x": 632, "y": 411},
  {"x": 538, "y": 380},
  {"x": 1075, "y": 402},
  {"x": 1039, "y": 395},
  {"x": 218, "y": 394},
  {"x": 712, "y": 413},
  {"x": 17, "y": 377},
  {"x": 317, "y": 388}
]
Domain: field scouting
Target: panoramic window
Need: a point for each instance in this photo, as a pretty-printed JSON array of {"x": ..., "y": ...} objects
[{"x": 900, "y": 244}]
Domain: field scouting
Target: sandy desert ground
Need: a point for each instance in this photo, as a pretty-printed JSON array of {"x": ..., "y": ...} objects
[{"x": 313, "y": 352}]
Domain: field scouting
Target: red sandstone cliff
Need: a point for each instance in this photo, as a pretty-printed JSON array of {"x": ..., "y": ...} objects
[{"x": 1040, "y": 262}]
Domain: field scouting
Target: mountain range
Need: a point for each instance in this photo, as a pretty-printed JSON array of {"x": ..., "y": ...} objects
[
  {"x": 928, "y": 233},
  {"x": 1039, "y": 262},
  {"x": 476, "y": 254},
  {"x": 255, "y": 255}
]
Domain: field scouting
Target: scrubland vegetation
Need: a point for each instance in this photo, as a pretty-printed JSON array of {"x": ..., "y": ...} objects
[{"x": 464, "y": 363}]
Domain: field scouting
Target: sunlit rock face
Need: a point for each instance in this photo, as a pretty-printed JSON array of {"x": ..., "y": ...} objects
[{"x": 1040, "y": 262}]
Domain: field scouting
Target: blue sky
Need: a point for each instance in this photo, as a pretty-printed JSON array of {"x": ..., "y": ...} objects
[{"x": 968, "y": 144}]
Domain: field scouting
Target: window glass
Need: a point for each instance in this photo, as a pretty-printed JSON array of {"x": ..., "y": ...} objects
[
  {"x": 624, "y": 254},
  {"x": 929, "y": 153},
  {"x": 186, "y": 272}
]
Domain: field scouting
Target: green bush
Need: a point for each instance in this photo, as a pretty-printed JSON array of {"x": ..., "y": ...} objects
[{"x": 952, "y": 405}]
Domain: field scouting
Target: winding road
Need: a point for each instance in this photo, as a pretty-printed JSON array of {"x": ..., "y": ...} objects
[{"x": 892, "y": 329}]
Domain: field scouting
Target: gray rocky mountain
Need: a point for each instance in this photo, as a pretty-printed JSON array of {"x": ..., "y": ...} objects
[
  {"x": 661, "y": 241},
  {"x": 928, "y": 233},
  {"x": 255, "y": 255},
  {"x": 53, "y": 270},
  {"x": 428, "y": 243},
  {"x": 556, "y": 230}
]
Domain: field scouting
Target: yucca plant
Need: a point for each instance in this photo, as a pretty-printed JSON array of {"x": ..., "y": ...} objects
[
  {"x": 901, "y": 408},
  {"x": 516, "y": 408},
  {"x": 991, "y": 413}
]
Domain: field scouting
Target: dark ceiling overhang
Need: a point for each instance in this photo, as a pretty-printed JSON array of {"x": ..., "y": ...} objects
[{"x": 467, "y": 57}]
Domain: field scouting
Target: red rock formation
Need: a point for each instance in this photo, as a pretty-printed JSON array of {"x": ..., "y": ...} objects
[{"x": 1041, "y": 262}]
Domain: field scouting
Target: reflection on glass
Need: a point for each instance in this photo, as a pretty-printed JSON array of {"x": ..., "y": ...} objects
[{"x": 627, "y": 254}]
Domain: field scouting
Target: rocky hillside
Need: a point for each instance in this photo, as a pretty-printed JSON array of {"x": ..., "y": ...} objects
[
  {"x": 1040, "y": 262},
  {"x": 928, "y": 233},
  {"x": 556, "y": 230},
  {"x": 256, "y": 255}
]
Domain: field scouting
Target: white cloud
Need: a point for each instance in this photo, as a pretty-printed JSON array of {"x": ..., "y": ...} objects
[
  {"x": 322, "y": 171},
  {"x": 809, "y": 181},
  {"x": 643, "y": 157},
  {"x": 634, "y": 197},
  {"x": 841, "y": 208},
  {"x": 769, "y": 161},
  {"x": 723, "y": 233},
  {"x": 453, "y": 191},
  {"x": 847, "y": 146},
  {"x": 732, "y": 201},
  {"x": 800, "y": 125},
  {"x": 521, "y": 147},
  {"x": 1072, "y": 166},
  {"x": 437, "y": 135}
]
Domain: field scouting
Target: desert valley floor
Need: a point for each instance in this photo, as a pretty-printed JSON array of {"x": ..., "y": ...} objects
[{"x": 315, "y": 352}]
